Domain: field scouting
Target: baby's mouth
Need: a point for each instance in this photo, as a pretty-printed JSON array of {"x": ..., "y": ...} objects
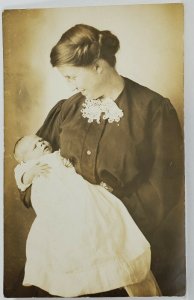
[{"x": 47, "y": 149}]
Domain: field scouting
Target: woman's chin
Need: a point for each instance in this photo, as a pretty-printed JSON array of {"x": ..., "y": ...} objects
[
  {"x": 90, "y": 96},
  {"x": 84, "y": 93}
]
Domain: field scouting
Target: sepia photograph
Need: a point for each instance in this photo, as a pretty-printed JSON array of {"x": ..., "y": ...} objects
[{"x": 94, "y": 193}]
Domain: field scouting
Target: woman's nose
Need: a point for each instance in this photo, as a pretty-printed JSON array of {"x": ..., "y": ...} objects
[{"x": 75, "y": 89}]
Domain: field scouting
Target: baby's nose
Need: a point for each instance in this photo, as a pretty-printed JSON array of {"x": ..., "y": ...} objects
[{"x": 41, "y": 143}]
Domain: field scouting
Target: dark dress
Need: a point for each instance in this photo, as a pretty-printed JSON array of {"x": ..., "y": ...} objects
[{"x": 141, "y": 159}]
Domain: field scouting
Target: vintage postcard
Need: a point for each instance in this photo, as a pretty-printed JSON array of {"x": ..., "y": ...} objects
[{"x": 94, "y": 197}]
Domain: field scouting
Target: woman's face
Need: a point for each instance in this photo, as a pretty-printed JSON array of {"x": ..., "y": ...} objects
[{"x": 87, "y": 80}]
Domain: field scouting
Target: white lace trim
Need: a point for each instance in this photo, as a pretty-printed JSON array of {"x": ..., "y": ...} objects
[{"x": 93, "y": 109}]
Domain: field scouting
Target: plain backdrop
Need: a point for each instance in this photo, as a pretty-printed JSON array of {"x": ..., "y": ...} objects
[{"x": 151, "y": 53}]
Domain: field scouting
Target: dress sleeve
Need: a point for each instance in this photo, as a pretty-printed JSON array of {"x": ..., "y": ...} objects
[
  {"x": 24, "y": 190},
  {"x": 19, "y": 171},
  {"x": 156, "y": 196},
  {"x": 50, "y": 128},
  {"x": 50, "y": 132}
]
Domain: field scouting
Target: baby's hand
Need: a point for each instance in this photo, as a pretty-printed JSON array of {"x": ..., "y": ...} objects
[{"x": 35, "y": 171}]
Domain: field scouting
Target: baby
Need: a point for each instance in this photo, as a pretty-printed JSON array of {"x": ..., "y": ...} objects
[
  {"x": 83, "y": 240},
  {"x": 29, "y": 148}
]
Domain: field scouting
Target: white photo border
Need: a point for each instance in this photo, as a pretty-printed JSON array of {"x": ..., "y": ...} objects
[{"x": 188, "y": 116}]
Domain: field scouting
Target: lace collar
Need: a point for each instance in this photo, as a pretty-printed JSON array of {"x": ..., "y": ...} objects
[{"x": 93, "y": 109}]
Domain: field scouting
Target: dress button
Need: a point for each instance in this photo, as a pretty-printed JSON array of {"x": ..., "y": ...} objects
[{"x": 88, "y": 152}]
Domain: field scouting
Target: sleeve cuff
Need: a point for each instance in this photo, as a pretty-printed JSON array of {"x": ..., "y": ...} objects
[{"x": 19, "y": 172}]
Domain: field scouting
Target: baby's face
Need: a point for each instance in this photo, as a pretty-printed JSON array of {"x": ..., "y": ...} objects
[{"x": 33, "y": 147}]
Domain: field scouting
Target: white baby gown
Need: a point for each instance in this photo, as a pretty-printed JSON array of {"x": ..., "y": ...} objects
[{"x": 83, "y": 240}]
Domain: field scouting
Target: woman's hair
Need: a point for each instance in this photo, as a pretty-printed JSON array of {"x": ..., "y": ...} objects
[{"x": 82, "y": 45}]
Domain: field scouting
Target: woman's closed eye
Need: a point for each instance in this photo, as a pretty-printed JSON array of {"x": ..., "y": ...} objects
[{"x": 70, "y": 78}]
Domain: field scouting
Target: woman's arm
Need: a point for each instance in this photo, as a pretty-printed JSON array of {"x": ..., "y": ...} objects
[
  {"x": 25, "y": 173},
  {"x": 49, "y": 131},
  {"x": 25, "y": 197},
  {"x": 160, "y": 192}
]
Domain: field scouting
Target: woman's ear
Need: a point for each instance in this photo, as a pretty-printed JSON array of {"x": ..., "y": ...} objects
[{"x": 98, "y": 68}]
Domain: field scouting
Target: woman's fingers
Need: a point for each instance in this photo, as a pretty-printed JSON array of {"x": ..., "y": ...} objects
[{"x": 67, "y": 163}]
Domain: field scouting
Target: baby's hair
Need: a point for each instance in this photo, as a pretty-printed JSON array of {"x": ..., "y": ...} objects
[{"x": 16, "y": 156}]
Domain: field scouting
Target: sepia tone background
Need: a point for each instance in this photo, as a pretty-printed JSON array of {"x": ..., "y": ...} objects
[{"x": 151, "y": 38}]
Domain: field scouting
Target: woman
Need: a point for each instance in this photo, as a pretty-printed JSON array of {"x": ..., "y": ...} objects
[{"x": 122, "y": 135}]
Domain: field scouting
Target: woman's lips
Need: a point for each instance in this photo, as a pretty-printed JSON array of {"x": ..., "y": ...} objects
[{"x": 83, "y": 92}]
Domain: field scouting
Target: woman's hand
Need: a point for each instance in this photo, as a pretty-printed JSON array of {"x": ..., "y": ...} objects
[
  {"x": 67, "y": 163},
  {"x": 36, "y": 171}
]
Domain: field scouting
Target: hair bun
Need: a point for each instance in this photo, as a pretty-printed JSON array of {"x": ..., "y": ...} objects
[{"x": 109, "y": 41}]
